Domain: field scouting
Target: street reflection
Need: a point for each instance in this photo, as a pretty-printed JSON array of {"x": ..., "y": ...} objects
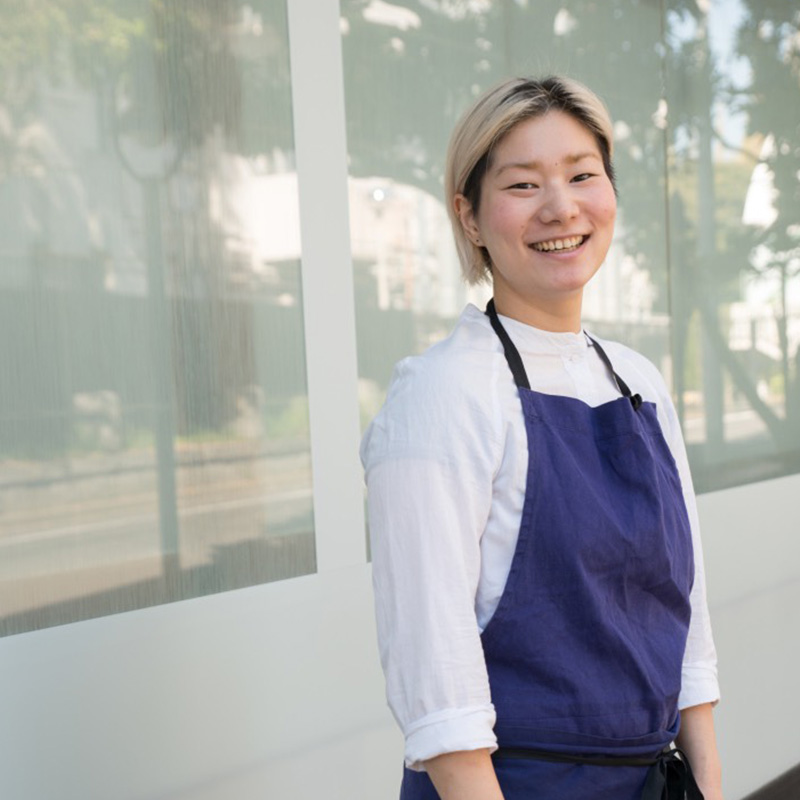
[{"x": 154, "y": 437}]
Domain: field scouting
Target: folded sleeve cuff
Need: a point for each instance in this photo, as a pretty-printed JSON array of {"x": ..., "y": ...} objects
[
  {"x": 449, "y": 731},
  {"x": 699, "y": 685}
]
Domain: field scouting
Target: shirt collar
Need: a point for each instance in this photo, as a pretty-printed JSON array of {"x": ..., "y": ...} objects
[{"x": 531, "y": 340}]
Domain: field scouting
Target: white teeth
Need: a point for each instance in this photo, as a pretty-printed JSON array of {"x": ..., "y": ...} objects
[{"x": 559, "y": 244}]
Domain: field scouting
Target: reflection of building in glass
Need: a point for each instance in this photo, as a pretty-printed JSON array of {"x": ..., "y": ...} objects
[{"x": 403, "y": 255}]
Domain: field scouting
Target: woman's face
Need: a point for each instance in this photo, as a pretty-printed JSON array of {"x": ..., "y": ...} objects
[{"x": 546, "y": 215}]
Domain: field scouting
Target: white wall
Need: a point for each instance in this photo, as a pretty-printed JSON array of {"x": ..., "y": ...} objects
[
  {"x": 275, "y": 691},
  {"x": 751, "y": 539}
]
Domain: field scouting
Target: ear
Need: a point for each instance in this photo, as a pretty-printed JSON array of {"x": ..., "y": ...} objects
[{"x": 464, "y": 212}]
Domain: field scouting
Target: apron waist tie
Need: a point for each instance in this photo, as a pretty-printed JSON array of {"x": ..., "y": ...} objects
[{"x": 669, "y": 777}]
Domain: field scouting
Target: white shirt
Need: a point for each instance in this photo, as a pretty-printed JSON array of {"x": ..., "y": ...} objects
[{"x": 446, "y": 467}]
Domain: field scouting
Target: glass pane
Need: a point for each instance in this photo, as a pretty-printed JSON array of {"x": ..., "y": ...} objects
[
  {"x": 734, "y": 187},
  {"x": 411, "y": 69},
  {"x": 154, "y": 437}
]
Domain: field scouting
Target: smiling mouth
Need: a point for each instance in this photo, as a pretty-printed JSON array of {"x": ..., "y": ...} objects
[{"x": 560, "y": 245}]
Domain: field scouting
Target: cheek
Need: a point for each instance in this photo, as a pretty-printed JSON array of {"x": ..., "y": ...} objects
[
  {"x": 500, "y": 220},
  {"x": 606, "y": 208}
]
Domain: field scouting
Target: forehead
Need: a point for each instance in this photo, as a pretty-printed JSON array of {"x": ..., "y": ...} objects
[{"x": 555, "y": 135}]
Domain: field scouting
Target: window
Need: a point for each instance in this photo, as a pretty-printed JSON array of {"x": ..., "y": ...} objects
[
  {"x": 154, "y": 439},
  {"x": 704, "y": 273}
]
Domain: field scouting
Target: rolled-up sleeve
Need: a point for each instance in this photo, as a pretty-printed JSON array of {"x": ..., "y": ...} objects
[
  {"x": 429, "y": 459},
  {"x": 699, "y": 682}
]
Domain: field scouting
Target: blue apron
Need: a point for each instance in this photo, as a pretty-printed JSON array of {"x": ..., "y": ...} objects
[{"x": 585, "y": 649}]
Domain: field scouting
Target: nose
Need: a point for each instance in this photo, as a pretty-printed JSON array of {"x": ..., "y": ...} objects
[{"x": 559, "y": 205}]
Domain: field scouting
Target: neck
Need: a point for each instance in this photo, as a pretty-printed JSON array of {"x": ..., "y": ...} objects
[{"x": 563, "y": 316}]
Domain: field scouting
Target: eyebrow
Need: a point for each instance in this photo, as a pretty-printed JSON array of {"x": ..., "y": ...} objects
[{"x": 573, "y": 158}]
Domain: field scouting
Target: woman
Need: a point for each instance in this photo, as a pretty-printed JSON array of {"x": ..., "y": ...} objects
[{"x": 538, "y": 575}]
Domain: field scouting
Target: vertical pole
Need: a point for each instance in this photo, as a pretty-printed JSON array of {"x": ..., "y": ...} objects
[{"x": 160, "y": 335}]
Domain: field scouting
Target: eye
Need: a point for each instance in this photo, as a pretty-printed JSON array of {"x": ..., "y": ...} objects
[
  {"x": 584, "y": 176},
  {"x": 524, "y": 186}
]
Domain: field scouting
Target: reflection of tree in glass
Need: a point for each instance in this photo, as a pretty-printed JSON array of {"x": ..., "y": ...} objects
[
  {"x": 211, "y": 78},
  {"x": 770, "y": 38},
  {"x": 411, "y": 67},
  {"x": 410, "y": 74},
  {"x": 615, "y": 48},
  {"x": 711, "y": 249}
]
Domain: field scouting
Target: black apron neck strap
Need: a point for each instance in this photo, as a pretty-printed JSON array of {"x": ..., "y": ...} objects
[
  {"x": 518, "y": 370},
  {"x": 636, "y": 399},
  {"x": 512, "y": 354}
]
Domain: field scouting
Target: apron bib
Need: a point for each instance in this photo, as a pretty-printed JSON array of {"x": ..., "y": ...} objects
[{"x": 585, "y": 649}]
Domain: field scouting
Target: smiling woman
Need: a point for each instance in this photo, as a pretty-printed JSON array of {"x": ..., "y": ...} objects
[
  {"x": 538, "y": 575},
  {"x": 545, "y": 219}
]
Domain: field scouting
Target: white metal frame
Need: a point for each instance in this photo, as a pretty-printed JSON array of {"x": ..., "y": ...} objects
[{"x": 328, "y": 302}]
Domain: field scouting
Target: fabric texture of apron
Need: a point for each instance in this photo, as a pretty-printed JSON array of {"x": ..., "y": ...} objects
[{"x": 585, "y": 649}]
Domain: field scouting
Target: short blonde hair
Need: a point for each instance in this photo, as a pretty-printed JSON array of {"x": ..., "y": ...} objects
[{"x": 490, "y": 118}]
